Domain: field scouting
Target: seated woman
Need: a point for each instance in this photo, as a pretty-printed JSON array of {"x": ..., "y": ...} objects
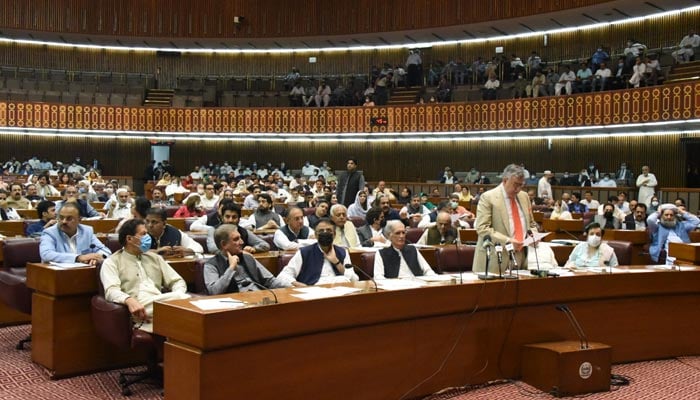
[
  {"x": 191, "y": 209},
  {"x": 592, "y": 253},
  {"x": 360, "y": 206}
]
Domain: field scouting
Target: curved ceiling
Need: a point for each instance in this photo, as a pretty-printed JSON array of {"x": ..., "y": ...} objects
[{"x": 612, "y": 11}]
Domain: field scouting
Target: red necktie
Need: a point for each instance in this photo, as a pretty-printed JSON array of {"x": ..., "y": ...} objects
[{"x": 517, "y": 223}]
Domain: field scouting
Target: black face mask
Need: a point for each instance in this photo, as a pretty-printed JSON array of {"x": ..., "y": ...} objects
[
  {"x": 325, "y": 238},
  {"x": 608, "y": 215}
]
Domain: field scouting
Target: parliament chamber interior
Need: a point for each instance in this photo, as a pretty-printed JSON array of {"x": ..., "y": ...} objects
[{"x": 190, "y": 188}]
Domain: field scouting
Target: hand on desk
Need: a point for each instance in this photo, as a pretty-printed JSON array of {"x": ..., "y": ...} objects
[
  {"x": 173, "y": 251},
  {"x": 90, "y": 258}
]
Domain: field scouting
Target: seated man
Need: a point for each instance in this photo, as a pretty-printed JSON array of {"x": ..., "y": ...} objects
[
  {"x": 264, "y": 216},
  {"x": 441, "y": 233},
  {"x": 16, "y": 200},
  {"x": 609, "y": 220},
  {"x": 231, "y": 270},
  {"x": 47, "y": 214},
  {"x": 414, "y": 210},
  {"x": 166, "y": 239},
  {"x": 133, "y": 276},
  {"x": 371, "y": 233},
  {"x": 287, "y": 237},
  {"x": 228, "y": 213},
  {"x": 251, "y": 201},
  {"x": 541, "y": 256},
  {"x": 637, "y": 221},
  {"x": 319, "y": 263},
  {"x": 345, "y": 232},
  {"x": 121, "y": 207},
  {"x": 669, "y": 224},
  {"x": 399, "y": 260},
  {"x": 687, "y": 47},
  {"x": 70, "y": 195},
  {"x": 7, "y": 212},
  {"x": 576, "y": 206},
  {"x": 69, "y": 241}
]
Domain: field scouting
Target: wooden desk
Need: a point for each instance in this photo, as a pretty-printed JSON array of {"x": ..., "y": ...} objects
[
  {"x": 639, "y": 240},
  {"x": 470, "y": 333},
  {"x": 28, "y": 213},
  {"x": 63, "y": 338},
  {"x": 12, "y": 228},
  {"x": 685, "y": 253},
  {"x": 560, "y": 227},
  {"x": 694, "y": 236},
  {"x": 179, "y": 223},
  {"x": 107, "y": 225}
]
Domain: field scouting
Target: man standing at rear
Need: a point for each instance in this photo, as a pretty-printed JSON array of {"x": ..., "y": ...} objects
[{"x": 349, "y": 183}]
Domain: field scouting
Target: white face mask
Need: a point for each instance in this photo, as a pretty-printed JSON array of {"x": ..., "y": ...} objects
[{"x": 594, "y": 241}]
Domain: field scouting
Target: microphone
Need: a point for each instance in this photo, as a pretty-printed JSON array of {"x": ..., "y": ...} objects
[
  {"x": 499, "y": 254},
  {"x": 513, "y": 261},
  {"x": 265, "y": 300},
  {"x": 538, "y": 273},
  {"x": 574, "y": 323},
  {"x": 486, "y": 244},
  {"x": 576, "y": 238},
  {"x": 371, "y": 278},
  {"x": 102, "y": 247}
]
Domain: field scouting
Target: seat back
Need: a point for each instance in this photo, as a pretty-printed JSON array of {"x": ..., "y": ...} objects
[
  {"x": 457, "y": 258},
  {"x": 413, "y": 234},
  {"x": 357, "y": 221},
  {"x": 367, "y": 264},
  {"x": 199, "y": 284},
  {"x": 623, "y": 251},
  {"x": 283, "y": 260},
  {"x": 113, "y": 242},
  {"x": 270, "y": 239},
  {"x": 18, "y": 252}
]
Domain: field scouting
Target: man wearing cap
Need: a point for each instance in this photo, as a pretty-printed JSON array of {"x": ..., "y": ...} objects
[
  {"x": 669, "y": 224},
  {"x": 121, "y": 208},
  {"x": 544, "y": 188}
]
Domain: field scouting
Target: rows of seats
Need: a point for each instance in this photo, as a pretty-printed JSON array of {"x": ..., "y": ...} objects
[{"x": 73, "y": 87}]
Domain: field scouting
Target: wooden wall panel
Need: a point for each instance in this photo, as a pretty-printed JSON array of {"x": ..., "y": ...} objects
[
  {"x": 119, "y": 156},
  {"x": 271, "y": 18},
  {"x": 392, "y": 161},
  {"x": 563, "y": 46}
]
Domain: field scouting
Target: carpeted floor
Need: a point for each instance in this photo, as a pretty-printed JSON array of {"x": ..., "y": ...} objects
[{"x": 675, "y": 379}]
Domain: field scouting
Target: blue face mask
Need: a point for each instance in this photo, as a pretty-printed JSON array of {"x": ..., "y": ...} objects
[{"x": 146, "y": 243}]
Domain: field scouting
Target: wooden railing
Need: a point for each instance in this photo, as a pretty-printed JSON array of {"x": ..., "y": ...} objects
[{"x": 653, "y": 104}]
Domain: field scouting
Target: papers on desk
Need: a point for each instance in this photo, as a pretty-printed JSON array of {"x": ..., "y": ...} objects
[
  {"x": 319, "y": 292},
  {"x": 399, "y": 284},
  {"x": 68, "y": 265},
  {"x": 466, "y": 277},
  {"x": 673, "y": 268},
  {"x": 536, "y": 237},
  {"x": 435, "y": 278},
  {"x": 218, "y": 304}
]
